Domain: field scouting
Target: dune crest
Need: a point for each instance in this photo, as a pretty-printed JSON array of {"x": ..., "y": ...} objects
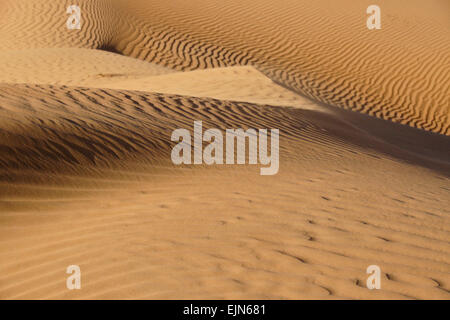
[
  {"x": 87, "y": 179},
  {"x": 94, "y": 165}
]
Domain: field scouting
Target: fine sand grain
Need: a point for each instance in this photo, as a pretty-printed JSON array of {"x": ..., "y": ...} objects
[
  {"x": 86, "y": 180},
  {"x": 86, "y": 177}
]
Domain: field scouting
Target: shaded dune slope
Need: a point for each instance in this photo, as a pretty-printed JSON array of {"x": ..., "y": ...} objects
[{"x": 85, "y": 177}]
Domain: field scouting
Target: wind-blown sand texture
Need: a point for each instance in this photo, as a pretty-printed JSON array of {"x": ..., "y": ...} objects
[{"x": 86, "y": 177}]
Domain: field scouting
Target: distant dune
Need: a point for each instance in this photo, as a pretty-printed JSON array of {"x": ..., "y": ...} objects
[
  {"x": 86, "y": 176},
  {"x": 320, "y": 49},
  {"x": 71, "y": 66}
]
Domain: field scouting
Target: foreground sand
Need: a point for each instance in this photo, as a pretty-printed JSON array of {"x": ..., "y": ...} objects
[
  {"x": 85, "y": 180},
  {"x": 86, "y": 177},
  {"x": 321, "y": 49}
]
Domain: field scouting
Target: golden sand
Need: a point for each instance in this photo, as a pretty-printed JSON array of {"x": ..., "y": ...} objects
[{"x": 86, "y": 177}]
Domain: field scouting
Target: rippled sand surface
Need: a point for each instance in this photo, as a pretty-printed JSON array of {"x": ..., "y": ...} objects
[{"x": 86, "y": 178}]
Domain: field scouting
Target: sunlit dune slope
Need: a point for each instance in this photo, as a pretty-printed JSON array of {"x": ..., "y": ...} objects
[
  {"x": 86, "y": 179},
  {"x": 71, "y": 66},
  {"x": 230, "y": 83},
  {"x": 99, "y": 69},
  {"x": 86, "y": 176},
  {"x": 321, "y": 49}
]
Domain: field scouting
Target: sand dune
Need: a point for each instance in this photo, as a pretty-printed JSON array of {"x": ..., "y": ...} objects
[
  {"x": 42, "y": 24},
  {"x": 71, "y": 66},
  {"x": 86, "y": 176},
  {"x": 320, "y": 49},
  {"x": 92, "y": 163},
  {"x": 244, "y": 84},
  {"x": 99, "y": 69}
]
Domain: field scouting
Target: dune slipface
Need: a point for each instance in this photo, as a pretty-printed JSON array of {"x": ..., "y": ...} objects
[{"x": 86, "y": 170}]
